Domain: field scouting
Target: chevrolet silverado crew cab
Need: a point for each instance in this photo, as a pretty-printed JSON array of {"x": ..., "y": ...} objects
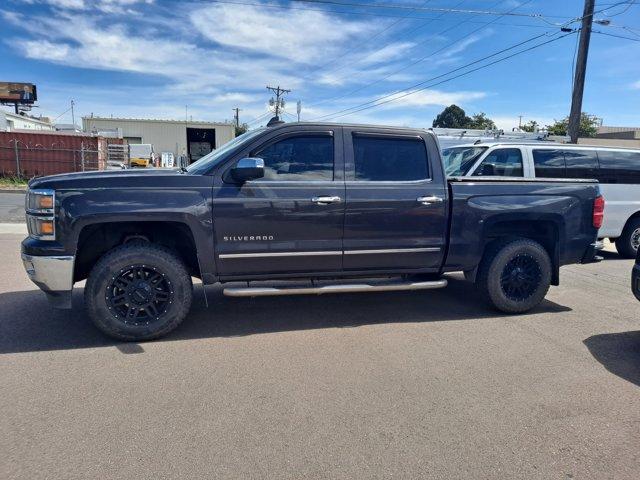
[{"x": 346, "y": 208}]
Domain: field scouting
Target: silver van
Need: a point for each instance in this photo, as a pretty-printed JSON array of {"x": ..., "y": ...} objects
[{"x": 617, "y": 170}]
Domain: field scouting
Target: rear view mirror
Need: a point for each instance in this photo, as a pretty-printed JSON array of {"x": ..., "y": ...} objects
[
  {"x": 248, "y": 168},
  {"x": 488, "y": 170}
]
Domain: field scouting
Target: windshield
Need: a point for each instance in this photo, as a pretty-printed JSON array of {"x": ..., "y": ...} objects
[
  {"x": 204, "y": 164},
  {"x": 458, "y": 160}
]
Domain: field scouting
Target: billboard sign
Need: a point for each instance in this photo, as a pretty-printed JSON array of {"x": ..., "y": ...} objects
[{"x": 14, "y": 92}]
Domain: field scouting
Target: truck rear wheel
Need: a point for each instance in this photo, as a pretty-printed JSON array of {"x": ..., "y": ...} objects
[
  {"x": 627, "y": 243},
  {"x": 514, "y": 276},
  {"x": 138, "y": 291}
]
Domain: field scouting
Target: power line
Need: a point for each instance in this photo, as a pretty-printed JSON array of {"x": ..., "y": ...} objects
[
  {"x": 628, "y": 6},
  {"x": 376, "y": 35},
  {"x": 420, "y": 60},
  {"x": 376, "y": 102},
  {"x": 361, "y": 13},
  {"x": 422, "y": 8},
  {"x": 519, "y": 44},
  {"x": 278, "y": 102},
  {"x": 373, "y": 52},
  {"x": 258, "y": 118},
  {"x": 67, "y": 110},
  {"x": 616, "y": 36},
  {"x": 394, "y": 96}
]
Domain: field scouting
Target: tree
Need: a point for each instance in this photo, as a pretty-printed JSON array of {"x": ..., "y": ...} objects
[
  {"x": 531, "y": 126},
  {"x": 588, "y": 126},
  {"x": 451, "y": 117},
  {"x": 240, "y": 129},
  {"x": 481, "y": 122},
  {"x": 455, "y": 117}
]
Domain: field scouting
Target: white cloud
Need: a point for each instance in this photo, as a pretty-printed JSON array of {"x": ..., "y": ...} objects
[
  {"x": 300, "y": 36},
  {"x": 107, "y": 6},
  {"x": 636, "y": 85},
  {"x": 431, "y": 97},
  {"x": 80, "y": 41},
  {"x": 389, "y": 52},
  {"x": 452, "y": 54}
]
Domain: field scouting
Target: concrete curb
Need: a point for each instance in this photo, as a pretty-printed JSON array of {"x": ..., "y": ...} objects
[
  {"x": 13, "y": 228},
  {"x": 13, "y": 190}
]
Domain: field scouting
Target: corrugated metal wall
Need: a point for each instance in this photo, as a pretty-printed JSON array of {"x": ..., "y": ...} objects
[{"x": 38, "y": 154}]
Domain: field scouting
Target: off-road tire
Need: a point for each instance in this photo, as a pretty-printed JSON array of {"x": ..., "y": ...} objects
[
  {"x": 624, "y": 243},
  {"x": 495, "y": 263},
  {"x": 118, "y": 260}
]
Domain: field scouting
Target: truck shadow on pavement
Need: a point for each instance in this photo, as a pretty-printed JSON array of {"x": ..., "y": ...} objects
[
  {"x": 610, "y": 256},
  {"x": 619, "y": 353},
  {"x": 27, "y": 323}
]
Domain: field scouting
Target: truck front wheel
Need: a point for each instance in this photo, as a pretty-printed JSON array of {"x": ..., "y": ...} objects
[
  {"x": 138, "y": 291},
  {"x": 514, "y": 276}
]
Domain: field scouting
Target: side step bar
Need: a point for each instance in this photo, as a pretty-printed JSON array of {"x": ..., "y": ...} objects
[{"x": 340, "y": 288}]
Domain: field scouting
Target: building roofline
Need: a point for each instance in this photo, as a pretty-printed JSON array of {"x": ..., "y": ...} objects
[
  {"x": 25, "y": 117},
  {"x": 156, "y": 120}
]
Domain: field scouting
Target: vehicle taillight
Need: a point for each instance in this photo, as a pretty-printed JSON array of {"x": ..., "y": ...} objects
[{"x": 598, "y": 211}]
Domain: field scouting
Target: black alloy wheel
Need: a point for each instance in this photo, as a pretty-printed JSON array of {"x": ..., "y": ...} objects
[
  {"x": 138, "y": 291},
  {"x": 520, "y": 277},
  {"x": 139, "y": 295}
]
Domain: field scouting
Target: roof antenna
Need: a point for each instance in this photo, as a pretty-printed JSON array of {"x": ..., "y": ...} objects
[{"x": 275, "y": 121}]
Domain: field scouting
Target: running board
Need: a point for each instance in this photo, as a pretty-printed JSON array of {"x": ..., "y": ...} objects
[{"x": 345, "y": 288}]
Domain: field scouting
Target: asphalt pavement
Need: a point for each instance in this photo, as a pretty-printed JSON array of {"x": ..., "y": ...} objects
[
  {"x": 429, "y": 384},
  {"x": 11, "y": 207}
]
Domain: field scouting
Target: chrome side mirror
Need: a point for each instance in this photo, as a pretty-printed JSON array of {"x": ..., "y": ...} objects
[{"x": 249, "y": 168}]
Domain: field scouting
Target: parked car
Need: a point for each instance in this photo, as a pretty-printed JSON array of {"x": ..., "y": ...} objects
[
  {"x": 350, "y": 208},
  {"x": 617, "y": 170}
]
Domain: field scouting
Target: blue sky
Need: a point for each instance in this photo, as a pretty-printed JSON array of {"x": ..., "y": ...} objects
[{"x": 150, "y": 58}]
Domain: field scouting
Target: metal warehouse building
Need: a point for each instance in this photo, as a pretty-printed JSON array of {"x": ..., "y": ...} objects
[{"x": 195, "y": 139}]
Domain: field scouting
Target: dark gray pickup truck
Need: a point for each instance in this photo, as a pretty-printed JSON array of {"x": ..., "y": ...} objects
[{"x": 349, "y": 208}]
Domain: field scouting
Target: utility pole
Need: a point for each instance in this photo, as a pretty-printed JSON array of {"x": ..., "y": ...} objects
[
  {"x": 519, "y": 122},
  {"x": 73, "y": 116},
  {"x": 237, "y": 116},
  {"x": 278, "y": 102},
  {"x": 581, "y": 70}
]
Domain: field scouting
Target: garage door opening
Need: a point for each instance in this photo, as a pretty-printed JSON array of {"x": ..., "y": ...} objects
[{"x": 200, "y": 141}]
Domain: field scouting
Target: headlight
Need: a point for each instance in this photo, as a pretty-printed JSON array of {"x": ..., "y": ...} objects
[
  {"x": 40, "y": 207},
  {"x": 40, "y": 201}
]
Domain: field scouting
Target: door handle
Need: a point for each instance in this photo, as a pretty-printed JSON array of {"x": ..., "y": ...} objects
[
  {"x": 326, "y": 200},
  {"x": 430, "y": 200}
]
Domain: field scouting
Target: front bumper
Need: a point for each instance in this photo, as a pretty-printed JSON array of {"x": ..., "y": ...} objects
[{"x": 53, "y": 275}]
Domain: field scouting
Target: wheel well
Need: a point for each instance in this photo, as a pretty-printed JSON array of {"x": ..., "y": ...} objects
[
  {"x": 97, "y": 239},
  {"x": 635, "y": 216},
  {"x": 544, "y": 232}
]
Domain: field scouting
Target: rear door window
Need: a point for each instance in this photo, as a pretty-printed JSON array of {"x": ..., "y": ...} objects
[
  {"x": 581, "y": 163},
  {"x": 619, "y": 166},
  {"x": 380, "y": 159},
  {"x": 549, "y": 163},
  {"x": 503, "y": 162}
]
